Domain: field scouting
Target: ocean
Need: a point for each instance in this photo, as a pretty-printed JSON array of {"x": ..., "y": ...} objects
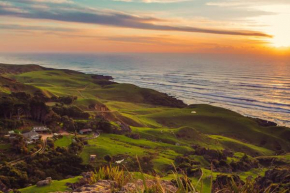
[{"x": 254, "y": 86}]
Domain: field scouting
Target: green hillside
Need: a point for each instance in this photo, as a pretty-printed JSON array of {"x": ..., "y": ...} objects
[{"x": 163, "y": 130}]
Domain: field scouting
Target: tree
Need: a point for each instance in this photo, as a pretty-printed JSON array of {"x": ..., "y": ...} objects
[
  {"x": 6, "y": 108},
  {"x": 38, "y": 109},
  {"x": 68, "y": 123},
  {"x": 105, "y": 126}
]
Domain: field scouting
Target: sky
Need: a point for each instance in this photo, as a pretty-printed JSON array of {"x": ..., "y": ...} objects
[{"x": 194, "y": 26}]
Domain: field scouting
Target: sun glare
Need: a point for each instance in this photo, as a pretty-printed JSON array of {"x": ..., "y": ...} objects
[
  {"x": 281, "y": 38},
  {"x": 279, "y": 42},
  {"x": 276, "y": 24},
  {"x": 280, "y": 29}
]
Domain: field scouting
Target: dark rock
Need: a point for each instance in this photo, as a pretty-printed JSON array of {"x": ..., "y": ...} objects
[
  {"x": 45, "y": 182},
  {"x": 102, "y": 77},
  {"x": 265, "y": 123}
]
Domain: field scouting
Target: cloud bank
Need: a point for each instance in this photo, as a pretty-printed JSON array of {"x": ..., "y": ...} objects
[{"x": 67, "y": 11}]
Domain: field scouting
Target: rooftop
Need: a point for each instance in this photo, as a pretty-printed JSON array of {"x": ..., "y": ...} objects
[{"x": 30, "y": 134}]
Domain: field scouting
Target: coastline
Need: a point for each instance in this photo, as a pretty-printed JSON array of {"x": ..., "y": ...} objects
[{"x": 111, "y": 78}]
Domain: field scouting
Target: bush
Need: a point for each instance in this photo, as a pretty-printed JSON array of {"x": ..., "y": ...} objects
[{"x": 108, "y": 158}]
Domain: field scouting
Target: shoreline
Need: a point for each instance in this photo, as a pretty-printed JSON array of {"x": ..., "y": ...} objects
[{"x": 221, "y": 105}]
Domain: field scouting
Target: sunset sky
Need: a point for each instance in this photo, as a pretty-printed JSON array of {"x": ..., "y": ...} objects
[{"x": 202, "y": 26}]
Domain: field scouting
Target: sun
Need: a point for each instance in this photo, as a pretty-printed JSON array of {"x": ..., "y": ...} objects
[
  {"x": 280, "y": 29},
  {"x": 276, "y": 24},
  {"x": 280, "y": 40}
]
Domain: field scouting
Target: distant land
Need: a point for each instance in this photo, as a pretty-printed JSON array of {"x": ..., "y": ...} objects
[
  {"x": 253, "y": 86},
  {"x": 64, "y": 130}
]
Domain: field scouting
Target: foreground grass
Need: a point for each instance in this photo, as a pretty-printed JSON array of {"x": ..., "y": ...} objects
[{"x": 53, "y": 187}]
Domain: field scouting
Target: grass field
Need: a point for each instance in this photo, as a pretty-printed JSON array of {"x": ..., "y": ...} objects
[
  {"x": 239, "y": 146},
  {"x": 65, "y": 141}
]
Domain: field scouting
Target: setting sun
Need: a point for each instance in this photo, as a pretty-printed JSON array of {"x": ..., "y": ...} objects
[
  {"x": 280, "y": 39},
  {"x": 281, "y": 31},
  {"x": 276, "y": 24}
]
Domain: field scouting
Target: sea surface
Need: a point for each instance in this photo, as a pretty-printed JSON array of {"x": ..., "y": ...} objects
[{"x": 254, "y": 86}]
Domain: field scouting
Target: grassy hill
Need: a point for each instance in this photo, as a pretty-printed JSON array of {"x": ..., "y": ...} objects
[
  {"x": 166, "y": 127},
  {"x": 147, "y": 108}
]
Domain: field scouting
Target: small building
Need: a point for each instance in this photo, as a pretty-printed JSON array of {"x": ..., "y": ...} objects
[
  {"x": 41, "y": 129},
  {"x": 85, "y": 131},
  {"x": 31, "y": 135}
]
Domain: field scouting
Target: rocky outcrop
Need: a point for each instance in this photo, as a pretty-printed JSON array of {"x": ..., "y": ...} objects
[
  {"x": 139, "y": 185},
  {"x": 108, "y": 186},
  {"x": 45, "y": 182},
  {"x": 102, "y": 186},
  {"x": 87, "y": 178}
]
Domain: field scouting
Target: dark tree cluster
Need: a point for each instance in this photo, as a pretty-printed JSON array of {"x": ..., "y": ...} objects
[
  {"x": 15, "y": 107},
  {"x": 94, "y": 124},
  {"x": 68, "y": 100},
  {"x": 72, "y": 112},
  {"x": 56, "y": 163}
]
